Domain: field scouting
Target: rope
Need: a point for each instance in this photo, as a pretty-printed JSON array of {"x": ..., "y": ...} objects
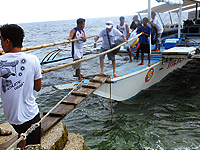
[
  {"x": 88, "y": 58},
  {"x": 23, "y": 136}
]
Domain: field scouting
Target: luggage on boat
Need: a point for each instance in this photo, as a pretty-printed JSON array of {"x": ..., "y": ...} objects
[
  {"x": 133, "y": 42},
  {"x": 169, "y": 43}
]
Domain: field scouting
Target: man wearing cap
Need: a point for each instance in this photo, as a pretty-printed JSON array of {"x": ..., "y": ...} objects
[
  {"x": 135, "y": 23},
  {"x": 108, "y": 34}
]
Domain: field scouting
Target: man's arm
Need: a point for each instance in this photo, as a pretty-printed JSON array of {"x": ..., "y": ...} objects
[
  {"x": 84, "y": 38},
  {"x": 118, "y": 33},
  {"x": 96, "y": 38},
  {"x": 71, "y": 34},
  {"x": 127, "y": 29},
  {"x": 153, "y": 24},
  {"x": 125, "y": 40},
  {"x": 37, "y": 85},
  {"x": 145, "y": 34},
  {"x": 1, "y": 52}
]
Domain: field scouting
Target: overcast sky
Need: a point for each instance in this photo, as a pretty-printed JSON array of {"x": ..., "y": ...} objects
[{"x": 24, "y": 11}]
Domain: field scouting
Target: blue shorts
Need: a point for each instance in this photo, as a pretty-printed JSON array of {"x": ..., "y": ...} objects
[{"x": 110, "y": 55}]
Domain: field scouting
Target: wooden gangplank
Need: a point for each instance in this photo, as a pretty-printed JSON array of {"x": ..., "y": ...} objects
[
  {"x": 66, "y": 106},
  {"x": 179, "y": 52}
]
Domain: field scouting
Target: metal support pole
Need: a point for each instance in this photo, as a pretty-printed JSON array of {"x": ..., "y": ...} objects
[
  {"x": 179, "y": 24},
  {"x": 111, "y": 104},
  {"x": 177, "y": 14},
  {"x": 140, "y": 16},
  {"x": 170, "y": 17},
  {"x": 160, "y": 19},
  {"x": 149, "y": 17},
  {"x": 196, "y": 13}
]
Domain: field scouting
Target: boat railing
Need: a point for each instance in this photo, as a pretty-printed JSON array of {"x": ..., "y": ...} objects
[
  {"x": 78, "y": 61},
  {"x": 52, "y": 44},
  {"x": 169, "y": 27}
]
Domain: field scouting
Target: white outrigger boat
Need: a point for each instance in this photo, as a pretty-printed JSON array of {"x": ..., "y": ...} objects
[{"x": 133, "y": 78}]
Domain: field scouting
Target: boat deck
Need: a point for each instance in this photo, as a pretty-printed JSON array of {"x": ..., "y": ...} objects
[
  {"x": 131, "y": 67},
  {"x": 175, "y": 52},
  {"x": 125, "y": 69}
]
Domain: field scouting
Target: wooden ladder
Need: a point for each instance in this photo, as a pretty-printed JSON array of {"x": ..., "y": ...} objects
[{"x": 66, "y": 106}]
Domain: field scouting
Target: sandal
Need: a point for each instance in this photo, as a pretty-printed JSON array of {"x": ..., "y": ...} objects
[
  {"x": 114, "y": 74},
  {"x": 5, "y": 132},
  {"x": 80, "y": 80},
  {"x": 100, "y": 73},
  {"x": 77, "y": 76}
]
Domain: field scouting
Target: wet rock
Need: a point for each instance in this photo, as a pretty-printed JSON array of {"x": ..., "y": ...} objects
[
  {"x": 75, "y": 142},
  {"x": 55, "y": 139}
]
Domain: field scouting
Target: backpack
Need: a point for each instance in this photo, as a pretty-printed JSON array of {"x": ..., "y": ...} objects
[{"x": 153, "y": 35}]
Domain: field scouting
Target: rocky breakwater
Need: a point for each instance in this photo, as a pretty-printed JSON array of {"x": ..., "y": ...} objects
[{"x": 57, "y": 138}]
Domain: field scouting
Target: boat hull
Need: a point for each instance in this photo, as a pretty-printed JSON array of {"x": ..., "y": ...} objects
[{"x": 129, "y": 85}]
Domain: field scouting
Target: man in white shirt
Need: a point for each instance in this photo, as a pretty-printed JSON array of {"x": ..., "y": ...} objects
[
  {"x": 108, "y": 34},
  {"x": 155, "y": 22},
  {"x": 20, "y": 74},
  {"x": 124, "y": 29}
]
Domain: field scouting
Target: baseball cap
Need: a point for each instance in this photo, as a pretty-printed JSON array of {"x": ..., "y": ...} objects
[{"x": 109, "y": 24}]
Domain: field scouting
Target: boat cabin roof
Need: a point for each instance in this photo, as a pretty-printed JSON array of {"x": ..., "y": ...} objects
[{"x": 187, "y": 4}]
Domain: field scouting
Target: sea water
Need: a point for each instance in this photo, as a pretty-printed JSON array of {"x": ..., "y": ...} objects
[{"x": 166, "y": 115}]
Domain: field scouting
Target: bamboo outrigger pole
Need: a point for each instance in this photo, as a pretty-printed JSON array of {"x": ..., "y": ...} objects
[
  {"x": 88, "y": 58},
  {"x": 52, "y": 44}
]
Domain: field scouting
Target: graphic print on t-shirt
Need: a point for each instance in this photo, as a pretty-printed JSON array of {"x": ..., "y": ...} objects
[
  {"x": 8, "y": 69},
  {"x": 79, "y": 35},
  {"x": 122, "y": 30}
]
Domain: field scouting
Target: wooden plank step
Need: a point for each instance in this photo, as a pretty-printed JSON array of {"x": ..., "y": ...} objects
[
  {"x": 76, "y": 93},
  {"x": 92, "y": 85},
  {"x": 101, "y": 78},
  {"x": 6, "y": 144},
  {"x": 49, "y": 122},
  {"x": 98, "y": 79},
  {"x": 63, "y": 109},
  {"x": 88, "y": 91},
  {"x": 85, "y": 92},
  {"x": 54, "y": 114},
  {"x": 72, "y": 99}
]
